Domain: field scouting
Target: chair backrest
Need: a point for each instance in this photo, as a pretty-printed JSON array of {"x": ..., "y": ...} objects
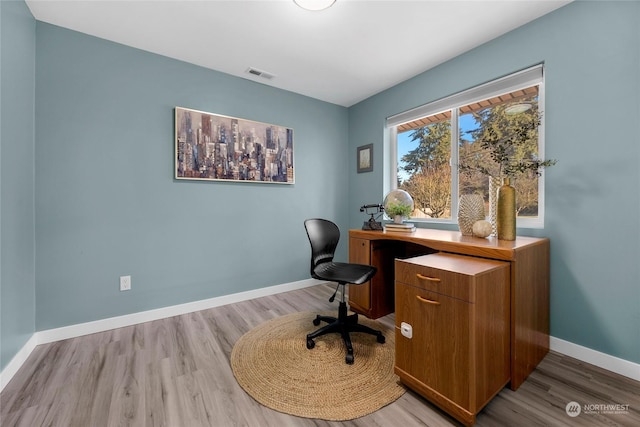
[{"x": 323, "y": 236}]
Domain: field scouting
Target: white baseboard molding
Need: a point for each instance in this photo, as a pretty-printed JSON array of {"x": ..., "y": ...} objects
[
  {"x": 594, "y": 357},
  {"x": 17, "y": 361},
  {"x": 602, "y": 360},
  {"x": 72, "y": 331}
]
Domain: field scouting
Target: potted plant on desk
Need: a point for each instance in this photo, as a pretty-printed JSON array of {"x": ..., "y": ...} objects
[{"x": 398, "y": 211}]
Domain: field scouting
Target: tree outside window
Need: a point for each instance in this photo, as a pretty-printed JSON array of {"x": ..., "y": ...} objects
[
  {"x": 503, "y": 142},
  {"x": 496, "y": 137},
  {"x": 427, "y": 166}
]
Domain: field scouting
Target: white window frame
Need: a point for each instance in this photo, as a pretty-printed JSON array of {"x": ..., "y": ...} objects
[{"x": 529, "y": 77}]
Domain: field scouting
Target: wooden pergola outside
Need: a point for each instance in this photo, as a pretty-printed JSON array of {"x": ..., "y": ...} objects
[{"x": 507, "y": 98}]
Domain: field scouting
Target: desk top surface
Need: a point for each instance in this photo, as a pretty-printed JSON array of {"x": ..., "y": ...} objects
[{"x": 454, "y": 241}]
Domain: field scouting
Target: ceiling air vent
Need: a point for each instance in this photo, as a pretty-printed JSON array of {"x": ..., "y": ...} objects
[{"x": 260, "y": 73}]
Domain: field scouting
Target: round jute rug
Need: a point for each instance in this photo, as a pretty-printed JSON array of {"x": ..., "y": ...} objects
[{"x": 273, "y": 365}]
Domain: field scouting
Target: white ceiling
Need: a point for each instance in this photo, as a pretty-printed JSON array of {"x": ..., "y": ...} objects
[{"x": 341, "y": 55}]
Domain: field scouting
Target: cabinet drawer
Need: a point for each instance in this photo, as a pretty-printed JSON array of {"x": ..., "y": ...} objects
[{"x": 446, "y": 274}]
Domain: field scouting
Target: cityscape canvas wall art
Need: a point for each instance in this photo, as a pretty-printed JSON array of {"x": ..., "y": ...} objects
[{"x": 213, "y": 147}]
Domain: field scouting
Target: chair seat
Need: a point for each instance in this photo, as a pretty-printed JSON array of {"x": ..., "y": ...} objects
[{"x": 341, "y": 272}]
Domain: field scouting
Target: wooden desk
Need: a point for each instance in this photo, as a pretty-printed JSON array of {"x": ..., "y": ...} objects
[{"x": 529, "y": 281}]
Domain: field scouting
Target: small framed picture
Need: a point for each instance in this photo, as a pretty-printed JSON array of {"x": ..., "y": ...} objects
[{"x": 365, "y": 158}]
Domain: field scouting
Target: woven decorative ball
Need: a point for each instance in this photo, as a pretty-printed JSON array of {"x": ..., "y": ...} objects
[
  {"x": 470, "y": 210},
  {"x": 482, "y": 228}
]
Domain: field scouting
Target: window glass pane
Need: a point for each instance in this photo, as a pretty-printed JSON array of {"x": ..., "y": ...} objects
[
  {"x": 484, "y": 121},
  {"x": 424, "y": 171},
  {"x": 487, "y": 130}
]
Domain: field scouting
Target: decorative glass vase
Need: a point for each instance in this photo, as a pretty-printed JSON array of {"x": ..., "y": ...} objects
[
  {"x": 506, "y": 214},
  {"x": 470, "y": 210}
]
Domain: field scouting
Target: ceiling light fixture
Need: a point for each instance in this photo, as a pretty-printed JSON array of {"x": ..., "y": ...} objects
[{"x": 314, "y": 5}]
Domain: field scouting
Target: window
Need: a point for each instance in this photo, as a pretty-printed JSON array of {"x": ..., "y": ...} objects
[{"x": 436, "y": 172}]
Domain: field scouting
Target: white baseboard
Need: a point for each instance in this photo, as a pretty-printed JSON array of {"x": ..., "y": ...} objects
[
  {"x": 17, "y": 361},
  {"x": 602, "y": 360},
  {"x": 594, "y": 357},
  {"x": 72, "y": 331}
]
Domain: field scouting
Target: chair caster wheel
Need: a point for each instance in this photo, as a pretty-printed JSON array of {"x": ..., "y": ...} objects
[
  {"x": 349, "y": 359},
  {"x": 316, "y": 321},
  {"x": 310, "y": 344},
  {"x": 381, "y": 339}
]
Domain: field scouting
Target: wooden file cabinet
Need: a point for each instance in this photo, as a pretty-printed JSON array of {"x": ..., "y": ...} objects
[
  {"x": 528, "y": 260},
  {"x": 458, "y": 309}
]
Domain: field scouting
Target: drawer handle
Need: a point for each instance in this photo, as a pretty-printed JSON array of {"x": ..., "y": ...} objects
[
  {"x": 428, "y": 301},
  {"x": 430, "y": 279}
]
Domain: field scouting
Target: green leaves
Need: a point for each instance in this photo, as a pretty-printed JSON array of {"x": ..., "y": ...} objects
[
  {"x": 433, "y": 150},
  {"x": 508, "y": 143},
  {"x": 394, "y": 209}
]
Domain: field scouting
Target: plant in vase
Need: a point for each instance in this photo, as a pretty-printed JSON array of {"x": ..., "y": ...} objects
[
  {"x": 398, "y": 211},
  {"x": 398, "y": 205},
  {"x": 505, "y": 148}
]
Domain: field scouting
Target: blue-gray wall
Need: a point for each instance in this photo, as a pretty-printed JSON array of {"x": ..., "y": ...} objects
[
  {"x": 17, "y": 247},
  {"x": 107, "y": 203},
  {"x": 591, "y": 52}
]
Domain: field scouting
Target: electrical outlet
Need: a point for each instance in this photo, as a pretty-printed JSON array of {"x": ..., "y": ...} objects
[{"x": 125, "y": 283}]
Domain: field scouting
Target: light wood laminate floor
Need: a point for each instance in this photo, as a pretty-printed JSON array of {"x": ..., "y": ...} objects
[{"x": 175, "y": 372}]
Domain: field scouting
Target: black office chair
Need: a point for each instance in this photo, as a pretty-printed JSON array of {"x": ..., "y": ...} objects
[{"x": 324, "y": 236}]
